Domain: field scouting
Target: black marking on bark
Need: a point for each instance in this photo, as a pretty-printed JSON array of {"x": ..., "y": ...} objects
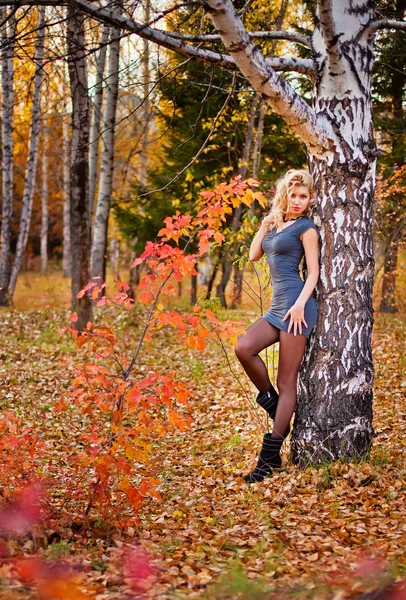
[
  {"x": 234, "y": 48},
  {"x": 265, "y": 81},
  {"x": 360, "y": 10},
  {"x": 334, "y": 40},
  {"x": 354, "y": 70}
]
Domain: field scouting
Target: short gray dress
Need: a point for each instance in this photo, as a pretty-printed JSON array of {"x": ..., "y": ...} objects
[{"x": 284, "y": 251}]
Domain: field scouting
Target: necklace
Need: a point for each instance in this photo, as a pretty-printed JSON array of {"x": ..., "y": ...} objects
[{"x": 291, "y": 219}]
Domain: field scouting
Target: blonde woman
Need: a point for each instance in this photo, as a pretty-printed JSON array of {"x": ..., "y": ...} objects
[{"x": 285, "y": 235}]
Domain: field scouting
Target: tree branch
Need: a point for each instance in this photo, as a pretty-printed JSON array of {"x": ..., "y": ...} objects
[
  {"x": 290, "y": 36},
  {"x": 329, "y": 33},
  {"x": 315, "y": 131},
  {"x": 383, "y": 24},
  {"x": 171, "y": 41}
]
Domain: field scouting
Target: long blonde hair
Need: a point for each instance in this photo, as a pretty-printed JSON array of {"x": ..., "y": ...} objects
[{"x": 284, "y": 185}]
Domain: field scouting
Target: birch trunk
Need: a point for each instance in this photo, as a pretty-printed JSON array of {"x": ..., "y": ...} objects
[
  {"x": 142, "y": 177},
  {"x": 7, "y": 104},
  {"x": 99, "y": 244},
  {"x": 96, "y": 118},
  {"x": 143, "y": 170},
  {"x": 79, "y": 175},
  {"x": 44, "y": 199},
  {"x": 30, "y": 174},
  {"x": 334, "y": 412},
  {"x": 66, "y": 151}
]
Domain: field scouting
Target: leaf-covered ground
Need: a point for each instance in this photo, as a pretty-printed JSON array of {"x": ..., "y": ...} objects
[{"x": 332, "y": 532}]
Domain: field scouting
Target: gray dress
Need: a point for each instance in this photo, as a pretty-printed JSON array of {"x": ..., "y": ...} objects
[{"x": 284, "y": 251}]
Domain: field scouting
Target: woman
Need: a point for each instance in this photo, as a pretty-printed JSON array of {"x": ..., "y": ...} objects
[{"x": 284, "y": 236}]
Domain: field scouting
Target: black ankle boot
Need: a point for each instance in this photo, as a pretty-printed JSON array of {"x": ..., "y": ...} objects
[
  {"x": 269, "y": 402},
  {"x": 269, "y": 459}
]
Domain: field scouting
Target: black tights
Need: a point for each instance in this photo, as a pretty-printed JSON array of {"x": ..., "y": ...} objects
[{"x": 291, "y": 349}]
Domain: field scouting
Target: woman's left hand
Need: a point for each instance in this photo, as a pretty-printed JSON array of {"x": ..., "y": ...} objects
[{"x": 296, "y": 313}]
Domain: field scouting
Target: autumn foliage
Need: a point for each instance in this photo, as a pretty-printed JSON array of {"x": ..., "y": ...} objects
[{"x": 128, "y": 412}]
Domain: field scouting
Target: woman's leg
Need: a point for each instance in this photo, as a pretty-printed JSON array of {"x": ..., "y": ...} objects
[
  {"x": 291, "y": 350},
  {"x": 258, "y": 337}
]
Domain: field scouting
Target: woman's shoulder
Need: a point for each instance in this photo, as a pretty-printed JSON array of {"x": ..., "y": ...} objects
[
  {"x": 306, "y": 219},
  {"x": 307, "y": 223}
]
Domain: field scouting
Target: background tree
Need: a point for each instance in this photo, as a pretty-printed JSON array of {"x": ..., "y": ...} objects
[{"x": 390, "y": 119}]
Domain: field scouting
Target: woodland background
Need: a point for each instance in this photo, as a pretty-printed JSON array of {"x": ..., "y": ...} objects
[{"x": 101, "y": 502}]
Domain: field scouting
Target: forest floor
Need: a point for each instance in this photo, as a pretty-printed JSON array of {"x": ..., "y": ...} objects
[{"x": 332, "y": 532}]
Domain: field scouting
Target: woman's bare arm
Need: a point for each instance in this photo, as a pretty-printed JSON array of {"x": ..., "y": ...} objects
[{"x": 256, "y": 251}]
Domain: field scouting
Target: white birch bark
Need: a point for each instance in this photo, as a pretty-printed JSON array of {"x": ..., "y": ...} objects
[
  {"x": 99, "y": 243},
  {"x": 30, "y": 174},
  {"x": 142, "y": 177},
  {"x": 44, "y": 198},
  {"x": 96, "y": 117},
  {"x": 334, "y": 414},
  {"x": 7, "y": 165}
]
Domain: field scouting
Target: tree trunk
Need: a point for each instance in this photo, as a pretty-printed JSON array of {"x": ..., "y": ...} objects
[
  {"x": 96, "y": 118},
  {"x": 390, "y": 264},
  {"x": 256, "y": 155},
  {"x": 193, "y": 290},
  {"x": 99, "y": 244},
  {"x": 334, "y": 411},
  {"x": 31, "y": 169},
  {"x": 237, "y": 290},
  {"x": 66, "y": 153},
  {"x": 388, "y": 298},
  {"x": 143, "y": 172},
  {"x": 79, "y": 176},
  {"x": 7, "y": 104},
  {"x": 212, "y": 278},
  {"x": 44, "y": 199},
  {"x": 115, "y": 257}
]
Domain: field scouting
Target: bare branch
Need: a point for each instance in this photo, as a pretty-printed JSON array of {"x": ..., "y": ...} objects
[
  {"x": 315, "y": 131},
  {"x": 374, "y": 26},
  {"x": 171, "y": 42},
  {"x": 290, "y": 36},
  {"x": 306, "y": 66},
  {"x": 329, "y": 33}
]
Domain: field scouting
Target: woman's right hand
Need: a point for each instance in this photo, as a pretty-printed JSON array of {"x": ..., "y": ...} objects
[{"x": 266, "y": 223}]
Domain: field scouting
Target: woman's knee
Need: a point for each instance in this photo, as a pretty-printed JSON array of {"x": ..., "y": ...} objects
[
  {"x": 286, "y": 383},
  {"x": 242, "y": 348}
]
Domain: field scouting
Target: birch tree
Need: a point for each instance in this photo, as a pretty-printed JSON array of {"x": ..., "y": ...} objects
[
  {"x": 99, "y": 244},
  {"x": 30, "y": 173},
  {"x": 44, "y": 198},
  {"x": 96, "y": 117},
  {"x": 66, "y": 153},
  {"x": 7, "y": 103}
]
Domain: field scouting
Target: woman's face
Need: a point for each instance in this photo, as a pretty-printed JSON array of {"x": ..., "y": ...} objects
[{"x": 298, "y": 199}]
